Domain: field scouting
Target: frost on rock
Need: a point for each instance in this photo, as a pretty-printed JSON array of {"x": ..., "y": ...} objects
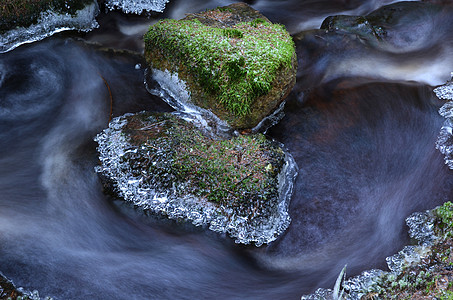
[
  {"x": 421, "y": 228},
  {"x": 49, "y": 23},
  {"x": 137, "y": 6},
  {"x": 9, "y": 291},
  {"x": 174, "y": 91},
  {"x": 319, "y": 294},
  {"x": 445, "y": 91},
  {"x": 445, "y": 139},
  {"x": 153, "y": 178},
  {"x": 359, "y": 286}
]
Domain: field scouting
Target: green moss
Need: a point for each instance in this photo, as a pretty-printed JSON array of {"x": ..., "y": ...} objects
[
  {"x": 23, "y": 13},
  {"x": 233, "y": 33},
  {"x": 444, "y": 219},
  {"x": 236, "y": 65},
  {"x": 240, "y": 170}
]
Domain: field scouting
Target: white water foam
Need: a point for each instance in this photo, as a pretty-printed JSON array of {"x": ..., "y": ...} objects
[{"x": 49, "y": 23}]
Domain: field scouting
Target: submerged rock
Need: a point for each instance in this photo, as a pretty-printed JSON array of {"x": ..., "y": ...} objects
[
  {"x": 24, "y": 21},
  {"x": 7, "y": 289},
  {"x": 401, "y": 26},
  {"x": 423, "y": 271},
  {"x": 233, "y": 61},
  {"x": 163, "y": 163}
]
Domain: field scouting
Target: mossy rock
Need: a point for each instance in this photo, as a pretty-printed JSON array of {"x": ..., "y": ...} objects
[
  {"x": 164, "y": 163},
  {"x": 234, "y": 61},
  {"x": 23, "y": 13}
]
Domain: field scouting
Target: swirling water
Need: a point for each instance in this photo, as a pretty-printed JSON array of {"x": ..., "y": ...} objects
[{"x": 362, "y": 125}]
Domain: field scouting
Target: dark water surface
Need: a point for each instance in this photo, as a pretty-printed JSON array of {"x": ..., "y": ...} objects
[{"x": 361, "y": 124}]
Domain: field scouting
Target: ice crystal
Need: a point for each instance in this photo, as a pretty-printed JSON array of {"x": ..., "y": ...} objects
[{"x": 49, "y": 23}]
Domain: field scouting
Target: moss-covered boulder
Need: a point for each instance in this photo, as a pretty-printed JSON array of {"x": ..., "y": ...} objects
[
  {"x": 234, "y": 61},
  {"x": 165, "y": 164}
]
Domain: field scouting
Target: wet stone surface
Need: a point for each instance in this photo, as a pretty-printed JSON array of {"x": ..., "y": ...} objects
[{"x": 165, "y": 164}]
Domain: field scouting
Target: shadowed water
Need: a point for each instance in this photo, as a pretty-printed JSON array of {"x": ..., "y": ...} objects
[{"x": 365, "y": 147}]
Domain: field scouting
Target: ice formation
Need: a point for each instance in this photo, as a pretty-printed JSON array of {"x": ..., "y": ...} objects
[
  {"x": 445, "y": 138},
  {"x": 114, "y": 147},
  {"x": 421, "y": 224},
  {"x": 174, "y": 91},
  {"x": 137, "y": 6},
  {"x": 49, "y": 23},
  {"x": 421, "y": 229}
]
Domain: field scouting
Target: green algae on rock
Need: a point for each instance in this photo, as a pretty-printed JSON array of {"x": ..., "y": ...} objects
[
  {"x": 165, "y": 164},
  {"x": 234, "y": 61}
]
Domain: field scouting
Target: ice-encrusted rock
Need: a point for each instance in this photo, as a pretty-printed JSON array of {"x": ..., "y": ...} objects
[
  {"x": 421, "y": 228},
  {"x": 358, "y": 286},
  {"x": 49, "y": 23},
  {"x": 445, "y": 91},
  {"x": 445, "y": 139},
  {"x": 152, "y": 161},
  {"x": 137, "y": 6},
  {"x": 9, "y": 291},
  {"x": 319, "y": 294}
]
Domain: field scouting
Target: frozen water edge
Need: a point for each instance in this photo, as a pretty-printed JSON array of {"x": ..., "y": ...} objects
[
  {"x": 49, "y": 23},
  {"x": 113, "y": 145},
  {"x": 420, "y": 224},
  {"x": 421, "y": 229},
  {"x": 137, "y": 6},
  {"x": 31, "y": 295},
  {"x": 174, "y": 91},
  {"x": 445, "y": 139}
]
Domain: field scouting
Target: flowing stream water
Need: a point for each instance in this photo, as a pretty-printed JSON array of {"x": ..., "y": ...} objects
[{"x": 362, "y": 124}]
